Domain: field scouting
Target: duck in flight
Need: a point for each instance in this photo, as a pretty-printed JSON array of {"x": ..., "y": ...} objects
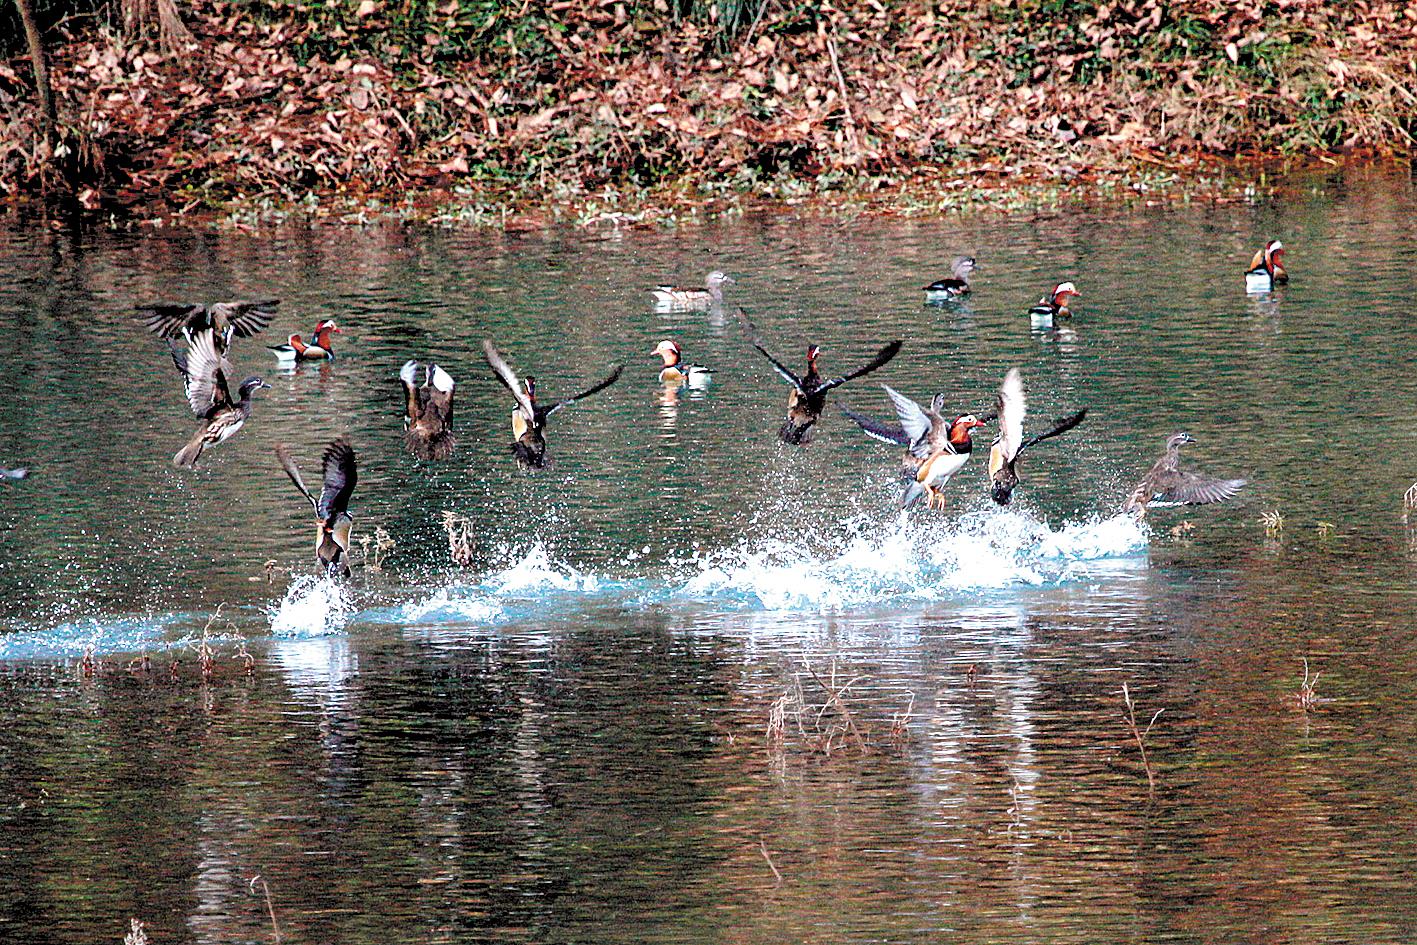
[
  {"x": 332, "y": 519},
  {"x": 205, "y": 372},
  {"x": 1168, "y": 482},
  {"x": 1009, "y": 443},
  {"x": 428, "y": 419},
  {"x": 528, "y": 417},
  {"x": 224, "y": 319},
  {"x": 808, "y": 397},
  {"x": 935, "y": 447}
]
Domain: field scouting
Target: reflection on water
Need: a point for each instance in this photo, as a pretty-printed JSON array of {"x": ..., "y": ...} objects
[{"x": 694, "y": 686}]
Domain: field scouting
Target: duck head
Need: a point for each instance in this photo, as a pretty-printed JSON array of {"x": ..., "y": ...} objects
[
  {"x": 1064, "y": 292},
  {"x": 323, "y": 330},
  {"x": 1273, "y": 255},
  {"x": 1176, "y": 439},
  {"x": 812, "y": 352},
  {"x": 669, "y": 351},
  {"x": 718, "y": 279},
  {"x": 959, "y": 430},
  {"x": 529, "y": 384},
  {"x": 251, "y": 384},
  {"x": 962, "y": 267}
]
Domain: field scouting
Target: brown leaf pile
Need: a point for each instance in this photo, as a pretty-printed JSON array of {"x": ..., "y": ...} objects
[{"x": 565, "y": 96}]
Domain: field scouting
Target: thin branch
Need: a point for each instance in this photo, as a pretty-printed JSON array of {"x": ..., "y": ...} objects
[
  {"x": 763, "y": 849},
  {"x": 1140, "y": 736}
]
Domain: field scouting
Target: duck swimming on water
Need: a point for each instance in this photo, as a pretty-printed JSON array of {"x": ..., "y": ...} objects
[
  {"x": 1266, "y": 269},
  {"x": 428, "y": 420},
  {"x": 1053, "y": 305},
  {"x": 675, "y": 371},
  {"x": 1168, "y": 482},
  {"x": 1009, "y": 444},
  {"x": 669, "y": 296},
  {"x": 332, "y": 519},
  {"x": 225, "y": 319},
  {"x": 205, "y": 373},
  {"x": 954, "y": 287},
  {"x": 809, "y": 392},
  {"x": 319, "y": 348},
  {"x": 528, "y": 417}
]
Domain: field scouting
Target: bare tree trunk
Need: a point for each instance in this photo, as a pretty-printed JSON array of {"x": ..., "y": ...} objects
[
  {"x": 41, "y": 70},
  {"x": 141, "y": 15}
]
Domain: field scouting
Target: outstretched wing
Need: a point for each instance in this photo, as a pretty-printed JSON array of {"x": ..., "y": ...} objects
[
  {"x": 885, "y": 432},
  {"x": 245, "y": 318},
  {"x": 205, "y": 370},
  {"x": 1011, "y": 407},
  {"x": 751, "y": 331},
  {"x": 882, "y": 357},
  {"x": 340, "y": 477},
  {"x": 508, "y": 377},
  {"x": 413, "y": 404},
  {"x": 545, "y": 412},
  {"x": 293, "y": 471},
  {"x": 438, "y": 395},
  {"x": 1194, "y": 489},
  {"x": 1062, "y": 426},
  {"x": 914, "y": 421},
  {"x": 167, "y": 319}
]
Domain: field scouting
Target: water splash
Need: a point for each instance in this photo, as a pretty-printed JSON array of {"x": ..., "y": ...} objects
[
  {"x": 536, "y": 571},
  {"x": 909, "y": 559},
  {"x": 312, "y": 606}
]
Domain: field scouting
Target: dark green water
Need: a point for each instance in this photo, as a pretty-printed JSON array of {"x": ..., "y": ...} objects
[{"x": 569, "y": 740}]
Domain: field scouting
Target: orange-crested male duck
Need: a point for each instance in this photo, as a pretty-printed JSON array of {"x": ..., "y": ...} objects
[
  {"x": 1167, "y": 482},
  {"x": 205, "y": 371},
  {"x": 1266, "y": 269},
  {"x": 809, "y": 391},
  {"x": 895, "y": 432},
  {"x": 428, "y": 419},
  {"x": 675, "y": 371},
  {"x": 225, "y": 319},
  {"x": 1054, "y": 305},
  {"x": 332, "y": 519},
  {"x": 529, "y": 417},
  {"x": 669, "y": 296},
  {"x": 319, "y": 348},
  {"x": 942, "y": 447},
  {"x": 1009, "y": 443},
  {"x": 956, "y": 286}
]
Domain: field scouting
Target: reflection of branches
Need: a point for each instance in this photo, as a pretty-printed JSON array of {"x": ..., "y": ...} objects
[
  {"x": 1140, "y": 735},
  {"x": 830, "y": 725},
  {"x": 1307, "y": 696},
  {"x": 834, "y": 698},
  {"x": 270, "y": 907},
  {"x": 763, "y": 848}
]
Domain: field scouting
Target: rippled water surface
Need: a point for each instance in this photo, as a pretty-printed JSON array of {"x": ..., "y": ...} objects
[{"x": 694, "y": 686}]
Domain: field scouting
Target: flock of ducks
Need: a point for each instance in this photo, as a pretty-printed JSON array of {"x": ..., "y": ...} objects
[{"x": 936, "y": 444}]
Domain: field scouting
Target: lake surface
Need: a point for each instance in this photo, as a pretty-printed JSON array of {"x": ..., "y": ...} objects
[{"x": 695, "y": 686}]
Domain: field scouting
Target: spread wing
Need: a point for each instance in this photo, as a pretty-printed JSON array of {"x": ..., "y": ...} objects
[
  {"x": 438, "y": 394},
  {"x": 885, "y": 432},
  {"x": 245, "y": 318},
  {"x": 1011, "y": 407},
  {"x": 914, "y": 421},
  {"x": 205, "y": 370},
  {"x": 1194, "y": 489},
  {"x": 167, "y": 319},
  {"x": 614, "y": 376},
  {"x": 1062, "y": 426},
  {"x": 751, "y": 331},
  {"x": 882, "y": 357},
  {"x": 293, "y": 471},
  {"x": 508, "y": 377},
  {"x": 408, "y": 377},
  {"x": 340, "y": 477}
]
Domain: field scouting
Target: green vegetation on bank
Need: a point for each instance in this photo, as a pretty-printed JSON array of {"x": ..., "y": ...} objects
[{"x": 166, "y": 104}]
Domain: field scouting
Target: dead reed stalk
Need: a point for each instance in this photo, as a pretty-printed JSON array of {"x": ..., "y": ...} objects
[
  {"x": 1140, "y": 735},
  {"x": 270, "y": 906},
  {"x": 1307, "y": 697}
]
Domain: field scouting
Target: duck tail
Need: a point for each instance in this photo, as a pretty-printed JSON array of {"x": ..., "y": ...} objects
[
  {"x": 913, "y": 491},
  {"x": 189, "y": 454}
]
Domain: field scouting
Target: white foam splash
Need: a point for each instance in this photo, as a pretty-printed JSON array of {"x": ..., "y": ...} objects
[
  {"x": 535, "y": 571},
  {"x": 452, "y": 603},
  {"x": 312, "y": 606},
  {"x": 910, "y": 559}
]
